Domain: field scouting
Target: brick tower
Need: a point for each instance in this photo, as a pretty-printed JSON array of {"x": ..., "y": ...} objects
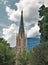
[{"x": 21, "y": 43}]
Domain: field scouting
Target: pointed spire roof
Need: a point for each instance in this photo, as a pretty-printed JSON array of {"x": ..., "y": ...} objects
[{"x": 21, "y": 28}]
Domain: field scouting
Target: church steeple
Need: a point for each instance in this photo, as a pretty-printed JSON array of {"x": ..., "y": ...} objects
[
  {"x": 21, "y": 28},
  {"x": 21, "y": 38},
  {"x": 21, "y": 44}
]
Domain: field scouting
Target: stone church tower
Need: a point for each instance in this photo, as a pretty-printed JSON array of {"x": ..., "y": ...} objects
[{"x": 21, "y": 43}]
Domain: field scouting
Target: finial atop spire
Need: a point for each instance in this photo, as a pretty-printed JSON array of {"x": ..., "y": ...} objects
[
  {"x": 22, "y": 16},
  {"x": 22, "y": 12}
]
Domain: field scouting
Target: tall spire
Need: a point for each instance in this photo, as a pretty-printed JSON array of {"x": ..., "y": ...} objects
[
  {"x": 21, "y": 28},
  {"x": 21, "y": 44}
]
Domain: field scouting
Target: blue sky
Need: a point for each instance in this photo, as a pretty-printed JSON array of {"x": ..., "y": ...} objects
[{"x": 10, "y": 18}]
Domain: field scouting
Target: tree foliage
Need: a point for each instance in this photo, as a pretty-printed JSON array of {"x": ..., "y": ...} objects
[
  {"x": 43, "y": 23},
  {"x": 6, "y": 53},
  {"x": 39, "y": 55}
]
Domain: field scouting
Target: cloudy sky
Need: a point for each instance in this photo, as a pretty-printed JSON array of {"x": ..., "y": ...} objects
[{"x": 10, "y": 11}]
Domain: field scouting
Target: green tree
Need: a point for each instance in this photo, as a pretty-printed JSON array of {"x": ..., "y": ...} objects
[
  {"x": 6, "y": 53},
  {"x": 43, "y": 23},
  {"x": 39, "y": 55}
]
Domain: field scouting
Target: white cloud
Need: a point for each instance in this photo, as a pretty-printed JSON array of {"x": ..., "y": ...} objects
[
  {"x": 12, "y": 14},
  {"x": 44, "y": 2},
  {"x": 30, "y": 8},
  {"x": 10, "y": 34},
  {"x": 30, "y": 11},
  {"x": 33, "y": 32}
]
